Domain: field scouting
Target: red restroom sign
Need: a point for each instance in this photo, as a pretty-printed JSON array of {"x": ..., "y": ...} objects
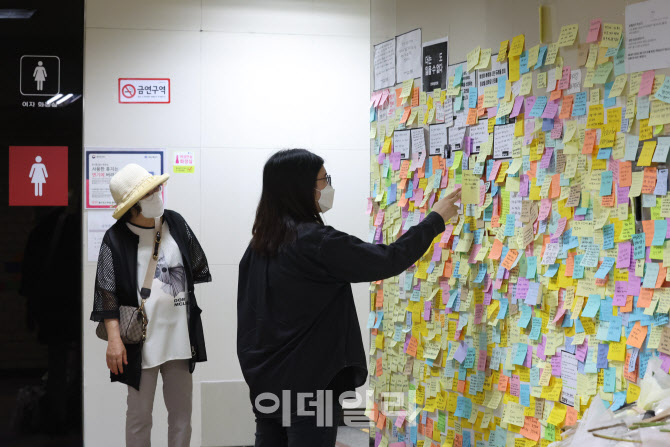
[{"x": 38, "y": 176}]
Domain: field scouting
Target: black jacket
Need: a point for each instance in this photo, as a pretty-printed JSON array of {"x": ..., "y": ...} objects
[
  {"x": 297, "y": 327},
  {"x": 116, "y": 284}
]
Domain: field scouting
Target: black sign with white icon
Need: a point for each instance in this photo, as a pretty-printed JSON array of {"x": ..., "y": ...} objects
[{"x": 40, "y": 75}]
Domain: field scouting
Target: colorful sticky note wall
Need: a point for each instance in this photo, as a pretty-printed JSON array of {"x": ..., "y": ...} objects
[{"x": 549, "y": 290}]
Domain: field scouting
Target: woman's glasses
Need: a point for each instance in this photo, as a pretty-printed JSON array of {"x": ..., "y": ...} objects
[{"x": 326, "y": 178}]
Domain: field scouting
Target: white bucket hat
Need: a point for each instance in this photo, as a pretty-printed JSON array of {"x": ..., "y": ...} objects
[{"x": 130, "y": 184}]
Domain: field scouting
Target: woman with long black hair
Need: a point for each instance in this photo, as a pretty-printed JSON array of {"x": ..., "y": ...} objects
[{"x": 298, "y": 339}]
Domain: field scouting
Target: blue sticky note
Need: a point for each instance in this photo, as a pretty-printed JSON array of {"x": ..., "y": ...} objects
[
  {"x": 579, "y": 106},
  {"x": 650, "y": 275},
  {"x": 603, "y": 350},
  {"x": 523, "y": 63},
  {"x": 606, "y": 183},
  {"x": 660, "y": 229},
  {"x": 463, "y": 407},
  {"x": 531, "y": 270},
  {"x": 614, "y": 333},
  {"x": 509, "y": 225},
  {"x": 604, "y": 153},
  {"x": 526, "y": 314},
  {"x": 638, "y": 245},
  {"x": 371, "y": 319},
  {"x": 540, "y": 57},
  {"x": 551, "y": 270},
  {"x": 373, "y": 114},
  {"x": 592, "y": 306},
  {"x": 578, "y": 326},
  {"x": 605, "y": 268},
  {"x": 391, "y": 193},
  {"x": 504, "y": 303},
  {"x": 472, "y": 98},
  {"x": 619, "y": 400},
  {"x": 524, "y": 395},
  {"x": 458, "y": 102},
  {"x": 609, "y": 381},
  {"x": 458, "y": 76},
  {"x": 502, "y": 84},
  {"x": 380, "y": 317},
  {"x": 521, "y": 350},
  {"x": 547, "y": 124},
  {"x": 538, "y": 107},
  {"x": 608, "y": 236}
]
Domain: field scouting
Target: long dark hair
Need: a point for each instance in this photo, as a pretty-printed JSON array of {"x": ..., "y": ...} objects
[{"x": 289, "y": 179}]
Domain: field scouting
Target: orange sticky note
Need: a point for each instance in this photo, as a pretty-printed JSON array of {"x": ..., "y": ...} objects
[
  {"x": 625, "y": 173},
  {"x": 566, "y": 107},
  {"x": 589, "y": 141},
  {"x": 531, "y": 428},
  {"x": 637, "y": 335},
  {"x": 496, "y": 249},
  {"x": 644, "y": 300},
  {"x": 649, "y": 181},
  {"x": 472, "y": 117},
  {"x": 511, "y": 256}
]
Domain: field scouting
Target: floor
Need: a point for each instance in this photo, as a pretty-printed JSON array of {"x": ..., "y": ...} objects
[{"x": 352, "y": 437}]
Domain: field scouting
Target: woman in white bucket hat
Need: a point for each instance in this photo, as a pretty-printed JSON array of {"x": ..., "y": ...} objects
[{"x": 173, "y": 341}]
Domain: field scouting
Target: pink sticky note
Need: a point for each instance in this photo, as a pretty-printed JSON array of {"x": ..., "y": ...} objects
[
  {"x": 427, "y": 306},
  {"x": 398, "y": 423},
  {"x": 634, "y": 284},
  {"x": 646, "y": 83},
  {"x": 529, "y": 102},
  {"x": 446, "y": 234},
  {"x": 557, "y": 129},
  {"x": 529, "y": 358},
  {"x": 369, "y": 209},
  {"x": 481, "y": 361},
  {"x": 380, "y": 218},
  {"x": 550, "y": 110},
  {"x": 594, "y": 30},
  {"x": 494, "y": 170},
  {"x": 437, "y": 253},
  {"x": 492, "y": 112},
  {"x": 565, "y": 79},
  {"x": 515, "y": 385},
  {"x": 540, "y": 348}
]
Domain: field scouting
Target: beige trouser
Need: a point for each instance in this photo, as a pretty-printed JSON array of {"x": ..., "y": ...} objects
[{"x": 178, "y": 396}]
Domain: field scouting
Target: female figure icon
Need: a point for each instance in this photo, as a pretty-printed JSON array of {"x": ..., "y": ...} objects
[
  {"x": 38, "y": 174},
  {"x": 40, "y": 75}
]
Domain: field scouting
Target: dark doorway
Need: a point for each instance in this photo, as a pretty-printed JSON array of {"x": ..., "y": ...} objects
[{"x": 41, "y": 52}]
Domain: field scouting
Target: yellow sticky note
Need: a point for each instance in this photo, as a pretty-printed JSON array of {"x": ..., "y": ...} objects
[
  {"x": 491, "y": 96},
  {"x": 646, "y": 153},
  {"x": 470, "y": 190},
  {"x": 484, "y": 59},
  {"x": 502, "y": 53},
  {"x": 517, "y": 46},
  {"x": 552, "y": 52},
  {"x": 473, "y": 58},
  {"x": 632, "y": 393},
  {"x": 619, "y": 84},
  {"x": 407, "y": 88},
  {"x": 596, "y": 116},
  {"x": 568, "y": 35},
  {"x": 611, "y": 35},
  {"x": 526, "y": 83},
  {"x": 659, "y": 114}
]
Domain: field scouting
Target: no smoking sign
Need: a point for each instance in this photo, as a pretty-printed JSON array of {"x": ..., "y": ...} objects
[{"x": 144, "y": 90}]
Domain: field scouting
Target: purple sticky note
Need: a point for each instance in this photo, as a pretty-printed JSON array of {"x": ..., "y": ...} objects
[
  {"x": 634, "y": 284},
  {"x": 528, "y": 363},
  {"x": 581, "y": 351},
  {"x": 518, "y": 102},
  {"x": 620, "y": 293},
  {"x": 556, "y": 364},
  {"x": 426, "y": 310},
  {"x": 550, "y": 110},
  {"x": 623, "y": 255},
  {"x": 395, "y": 160},
  {"x": 461, "y": 352}
]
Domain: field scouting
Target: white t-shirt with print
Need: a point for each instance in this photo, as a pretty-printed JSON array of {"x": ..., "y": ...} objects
[{"x": 167, "y": 307}]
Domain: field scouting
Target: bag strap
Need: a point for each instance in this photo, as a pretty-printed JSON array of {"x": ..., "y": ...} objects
[{"x": 153, "y": 260}]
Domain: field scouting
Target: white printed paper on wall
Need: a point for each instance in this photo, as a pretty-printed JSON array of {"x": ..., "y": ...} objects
[
  {"x": 102, "y": 164},
  {"x": 408, "y": 55},
  {"x": 384, "y": 64},
  {"x": 647, "y": 36}
]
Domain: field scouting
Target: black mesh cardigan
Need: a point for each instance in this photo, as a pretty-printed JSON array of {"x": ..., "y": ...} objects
[{"x": 116, "y": 284}]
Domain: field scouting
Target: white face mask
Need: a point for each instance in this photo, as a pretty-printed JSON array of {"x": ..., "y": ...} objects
[
  {"x": 326, "y": 199},
  {"x": 152, "y": 206}
]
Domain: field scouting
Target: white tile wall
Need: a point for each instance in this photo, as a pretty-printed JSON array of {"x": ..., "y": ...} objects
[{"x": 248, "y": 77}]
